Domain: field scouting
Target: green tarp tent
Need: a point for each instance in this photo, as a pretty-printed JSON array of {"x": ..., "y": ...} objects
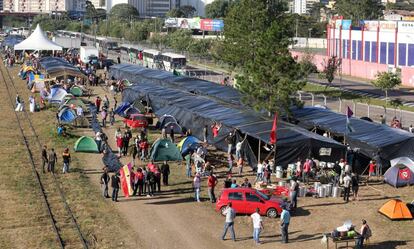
[
  {"x": 165, "y": 150},
  {"x": 76, "y": 91},
  {"x": 86, "y": 144}
]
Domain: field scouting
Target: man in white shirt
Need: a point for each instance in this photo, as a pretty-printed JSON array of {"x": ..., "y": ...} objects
[
  {"x": 260, "y": 168},
  {"x": 347, "y": 187},
  {"x": 230, "y": 215},
  {"x": 257, "y": 225}
]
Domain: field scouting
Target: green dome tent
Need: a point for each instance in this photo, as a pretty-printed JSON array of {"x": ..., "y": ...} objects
[
  {"x": 165, "y": 150},
  {"x": 86, "y": 144},
  {"x": 76, "y": 91},
  {"x": 76, "y": 102}
]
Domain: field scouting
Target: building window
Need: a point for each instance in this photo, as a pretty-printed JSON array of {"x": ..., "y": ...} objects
[
  {"x": 354, "y": 50},
  {"x": 383, "y": 53},
  {"x": 410, "y": 55},
  {"x": 391, "y": 53},
  {"x": 374, "y": 52},
  {"x": 367, "y": 50},
  {"x": 402, "y": 51},
  {"x": 360, "y": 55}
]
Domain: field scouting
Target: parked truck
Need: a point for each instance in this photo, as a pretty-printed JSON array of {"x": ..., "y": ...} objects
[{"x": 86, "y": 53}]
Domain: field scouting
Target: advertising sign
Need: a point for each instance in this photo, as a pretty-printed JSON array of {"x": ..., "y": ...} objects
[
  {"x": 182, "y": 23},
  {"x": 212, "y": 25},
  {"x": 405, "y": 27},
  {"x": 383, "y": 25}
]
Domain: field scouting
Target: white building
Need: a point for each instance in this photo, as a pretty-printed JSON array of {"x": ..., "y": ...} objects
[
  {"x": 302, "y": 7},
  {"x": 43, "y": 6}
]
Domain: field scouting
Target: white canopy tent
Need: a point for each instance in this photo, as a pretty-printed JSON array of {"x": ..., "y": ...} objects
[{"x": 37, "y": 41}]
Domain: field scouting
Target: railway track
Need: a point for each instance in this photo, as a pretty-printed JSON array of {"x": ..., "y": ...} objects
[{"x": 63, "y": 222}]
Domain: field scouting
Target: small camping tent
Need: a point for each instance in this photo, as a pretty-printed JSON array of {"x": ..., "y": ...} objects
[
  {"x": 76, "y": 91},
  {"x": 165, "y": 119},
  {"x": 165, "y": 150},
  {"x": 401, "y": 172},
  {"x": 56, "y": 95},
  {"x": 67, "y": 115},
  {"x": 131, "y": 110},
  {"x": 186, "y": 142},
  {"x": 173, "y": 126},
  {"x": 75, "y": 102},
  {"x": 86, "y": 144},
  {"x": 395, "y": 210}
]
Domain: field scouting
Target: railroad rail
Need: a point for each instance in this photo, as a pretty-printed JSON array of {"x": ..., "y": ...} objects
[{"x": 63, "y": 224}]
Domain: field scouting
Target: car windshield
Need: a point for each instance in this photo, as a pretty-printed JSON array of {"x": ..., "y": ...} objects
[{"x": 262, "y": 195}]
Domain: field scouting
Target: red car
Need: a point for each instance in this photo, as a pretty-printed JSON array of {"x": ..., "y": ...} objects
[
  {"x": 136, "y": 121},
  {"x": 246, "y": 200}
]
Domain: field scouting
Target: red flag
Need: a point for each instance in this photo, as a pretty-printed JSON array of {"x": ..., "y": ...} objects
[{"x": 273, "y": 137}]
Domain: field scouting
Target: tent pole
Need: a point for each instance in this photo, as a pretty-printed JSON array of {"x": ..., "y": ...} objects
[{"x": 258, "y": 154}]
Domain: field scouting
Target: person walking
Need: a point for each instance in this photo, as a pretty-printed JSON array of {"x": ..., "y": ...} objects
[
  {"x": 257, "y": 225},
  {"x": 284, "y": 224},
  {"x": 347, "y": 186},
  {"x": 66, "y": 160},
  {"x": 365, "y": 234},
  {"x": 211, "y": 184},
  {"x": 165, "y": 170},
  {"x": 52, "y": 161},
  {"x": 105, "y": 182},
  {"x": 45, "y": 160},
  {"x": 104, "y": 116},
  {"x": 98, "y": 101},
  {"x": 197, "y": 187},
  {"x": 115, "y": 181},
  {"x": 230, "y": 214}
]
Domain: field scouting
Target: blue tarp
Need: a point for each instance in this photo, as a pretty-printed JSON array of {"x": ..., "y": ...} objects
[
  {"x": 12, "y": 40},
  {"x": 56, "y": 67},
  {"x": 120, "y": 110}
]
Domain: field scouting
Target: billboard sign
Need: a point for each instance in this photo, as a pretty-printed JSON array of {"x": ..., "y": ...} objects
[
  {"x": 212, "y": 25},
  {"x": 388, "y": 26},
  {"x": 182, "y": 23},
  {"x": 405, "y": 27}
]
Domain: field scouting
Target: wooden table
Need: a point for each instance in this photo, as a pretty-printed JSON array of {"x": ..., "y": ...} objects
[{"x": 337, "y": 241}]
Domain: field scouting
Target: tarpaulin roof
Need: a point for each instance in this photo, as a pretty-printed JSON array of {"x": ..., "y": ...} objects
[
  {"x": 12, "y": 40},
  {"x": 195, "y": 111},
  {"x": 371, "y": 138},
  {"x": 37, "y": 41},
  {"x": 138, "y": 74},
  {"x": 57, "y": 67}
]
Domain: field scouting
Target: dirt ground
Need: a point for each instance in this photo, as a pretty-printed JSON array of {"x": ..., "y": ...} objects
[{"x": 171, "y": 219}]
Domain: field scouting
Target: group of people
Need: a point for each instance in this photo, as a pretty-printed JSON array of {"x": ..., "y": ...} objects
[
  {"x": 49, "y": 160},
  {"x": 145, "y": 180},
  {"x": 257, "y": 222}
]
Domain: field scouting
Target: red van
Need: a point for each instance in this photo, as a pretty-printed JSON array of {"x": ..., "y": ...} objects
[{"x": 246, "y": 200}]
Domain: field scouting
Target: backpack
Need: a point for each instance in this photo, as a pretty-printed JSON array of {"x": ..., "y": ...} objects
[{"x": 368, "y": 232}]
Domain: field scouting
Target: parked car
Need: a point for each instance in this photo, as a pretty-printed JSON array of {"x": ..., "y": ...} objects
[
  {"x": 136, "y": 121},
  {"x": 246, "y": 200}
]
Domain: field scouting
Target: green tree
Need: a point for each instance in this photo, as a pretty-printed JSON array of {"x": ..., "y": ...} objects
[
  {"x": 90, "y": 10},
  {"x": 217, "y": 9},
  {"x": 330, "y": 69},
  {"x": 359, "y": 9},
  {"x": 180, "y": 39},
  {"x": 306, "y": 64},
  {"x": 386, "y": 81},
  {"x": 257, "y": 36},
  {"x": 188, "y": 10},
  {"x": 124, "y": 11}
]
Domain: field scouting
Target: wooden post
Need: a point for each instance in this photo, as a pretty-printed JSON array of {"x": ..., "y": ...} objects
[{"x": 258, "y": 154}]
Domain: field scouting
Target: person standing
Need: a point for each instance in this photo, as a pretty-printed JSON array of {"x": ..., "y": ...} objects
[
  {"x": 98, "y": 140},
  {"x": 306, "y": 170},
  {"x": 231, "y": 140},
  {"x": 66, "y": 160},
  {"x": 150, "y": 182},
  {"x": 139, "y": 182},
  {"x": 284, "y": 224},
  {"x": 45, "y": 160},
  {"x": 52, "y": 160},
  {"x": 172, "y": 133},
  {"x": 211, "y": 184},
  {"x": 259, "y": 172},
  {"x": 365, "y": 234},
  {"x": 165, "y": 170},
  {"x": 115, "y": 181},
  {"x": 294, "y": 187},
  {"x": 197, "y": 187},
  {"x": 104, "y": 116},
  {"x": 347, "y": 186},
  {"x": 230, "y": 214},
  {"x": 157, "y": 173},
  {"x": 257, "y": 225},
  {"x": 111, "y": 116},
  {"x": 32, "y": 104},
  {"x": 371, "y": 171},
  {"x": 205, "y": 133},
  {"x": 105, "y": 182},
  {"x": 98, "y": 103},
  {"x": 355, "y": 186}
]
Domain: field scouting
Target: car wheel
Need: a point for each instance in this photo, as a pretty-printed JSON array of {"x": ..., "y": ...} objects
[
  {"x": 271, "y": 213},
  {"x": 222, "y": 209}
]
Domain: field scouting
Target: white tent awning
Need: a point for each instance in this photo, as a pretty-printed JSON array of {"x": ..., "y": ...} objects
[{"x": 37, "y": 41}]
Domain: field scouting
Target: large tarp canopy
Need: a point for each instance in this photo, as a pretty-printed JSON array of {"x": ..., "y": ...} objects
[
  {"x": 57, "y": 67},
  {"x": 195, "y": 112},
  {"x": 372, "y": 139},
  {"x": 37, "y": 41},
  {"x": 138, "y": 74},
  {"x": 12, "y": 40}
]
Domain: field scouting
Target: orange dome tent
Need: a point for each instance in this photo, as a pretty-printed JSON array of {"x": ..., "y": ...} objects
[{"x": 395, "y": 210}]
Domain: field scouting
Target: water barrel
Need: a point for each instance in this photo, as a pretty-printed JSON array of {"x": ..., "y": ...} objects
[
  {"x": 328, "y": 188},
  {"x": 302, "y": 191},
  {"x": 336, "y": 191},
  {"x": 321, "y": 191}
]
